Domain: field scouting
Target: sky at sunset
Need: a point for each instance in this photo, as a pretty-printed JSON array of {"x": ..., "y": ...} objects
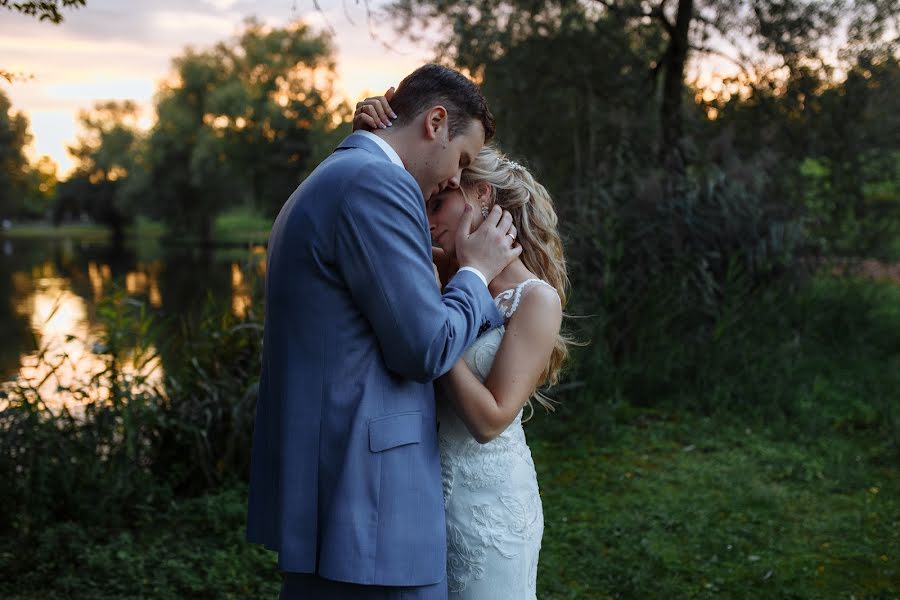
[{"x": 119, "y": 50}]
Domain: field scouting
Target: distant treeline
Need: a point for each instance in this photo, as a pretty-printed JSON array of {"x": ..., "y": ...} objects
[
  {"x": 796, "y": 150},
  {"x": 240, "y": 123}
]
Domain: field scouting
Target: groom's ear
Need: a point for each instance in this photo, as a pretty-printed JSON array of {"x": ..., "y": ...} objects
[{"x": 435, "y": 120}]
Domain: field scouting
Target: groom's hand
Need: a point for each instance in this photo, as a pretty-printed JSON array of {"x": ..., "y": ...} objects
[{"x": 491, "y": 247}]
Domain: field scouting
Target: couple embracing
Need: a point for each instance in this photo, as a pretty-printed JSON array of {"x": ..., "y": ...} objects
[{"x": 389, "y": 459}]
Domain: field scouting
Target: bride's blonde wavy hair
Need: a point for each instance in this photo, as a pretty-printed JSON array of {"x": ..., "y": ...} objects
[{"x": 514, "y": 189}]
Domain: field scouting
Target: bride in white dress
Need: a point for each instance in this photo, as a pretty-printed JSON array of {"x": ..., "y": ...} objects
[{"x": 494, "y": 514}]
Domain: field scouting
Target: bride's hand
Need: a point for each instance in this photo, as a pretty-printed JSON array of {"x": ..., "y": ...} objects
[{"x": 374, "y": 113}]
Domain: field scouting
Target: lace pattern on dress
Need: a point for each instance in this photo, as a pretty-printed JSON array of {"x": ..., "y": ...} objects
[
  {"x": 494, "y": 516},
  {"x": 463, "y": 561},
  {"x": 508, "y": 301}
]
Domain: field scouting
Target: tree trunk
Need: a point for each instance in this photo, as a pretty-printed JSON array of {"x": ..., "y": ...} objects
[{"x": 671, "y": 154}]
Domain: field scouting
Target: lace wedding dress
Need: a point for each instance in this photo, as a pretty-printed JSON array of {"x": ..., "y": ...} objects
[{"x": 494, "y": 516}]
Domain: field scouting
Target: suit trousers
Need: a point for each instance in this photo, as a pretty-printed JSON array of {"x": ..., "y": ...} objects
[{"x": 306, "y": 586}]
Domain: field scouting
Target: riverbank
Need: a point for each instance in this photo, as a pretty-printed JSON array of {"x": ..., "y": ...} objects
[{"x": 233, "y": 227}]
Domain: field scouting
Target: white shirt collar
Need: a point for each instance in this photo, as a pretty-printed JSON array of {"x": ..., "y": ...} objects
[{"x": 391, "y": 153}]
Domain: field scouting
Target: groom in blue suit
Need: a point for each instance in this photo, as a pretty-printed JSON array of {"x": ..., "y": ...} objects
[{"x": 345, "y": 477}]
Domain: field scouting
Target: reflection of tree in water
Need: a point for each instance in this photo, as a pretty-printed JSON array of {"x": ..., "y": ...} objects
[
  {"x": 20, "y": 260},
  {"x": 176, "y": 284},
  {"x": 76, "y": 260},
  {"x": 191, "y": 278},
  {"x": 49, "y": 294},
  {"x": 14, "y": 325}
]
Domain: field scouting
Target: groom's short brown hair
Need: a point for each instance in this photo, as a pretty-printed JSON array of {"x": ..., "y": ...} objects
[{"x": 430, "y": 85}]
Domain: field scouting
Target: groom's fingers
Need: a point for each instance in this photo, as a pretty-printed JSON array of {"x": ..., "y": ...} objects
[
  {"x": 493, "y": 217},
  {"x": 465, "y": 224},
  {"x": 505, "y": 222}
]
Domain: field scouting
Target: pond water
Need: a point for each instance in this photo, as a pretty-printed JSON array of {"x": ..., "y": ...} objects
[{"x": 53, "y": 287}]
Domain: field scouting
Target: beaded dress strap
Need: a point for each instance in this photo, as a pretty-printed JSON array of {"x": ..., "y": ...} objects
[{"x": 515, "y": 295}]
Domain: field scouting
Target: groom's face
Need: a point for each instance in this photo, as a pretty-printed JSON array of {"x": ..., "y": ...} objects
[{"x": 446, "y": 158}]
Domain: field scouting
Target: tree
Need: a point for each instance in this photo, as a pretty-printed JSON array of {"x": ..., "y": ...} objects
[
  {"x": 41, "y": 188},
  {"x": 241, "y": 123},
  {"x": 14, "y": 137},
  {"x": 763, "y": 37},
  {"x": 44, "y": 10},
  {"x": 105, "y": 153}
]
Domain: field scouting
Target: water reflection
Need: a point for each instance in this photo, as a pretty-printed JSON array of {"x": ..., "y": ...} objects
[
  {"x": 68, "y": 350},
  {"x": 240, "y": 292},
  {"x": 144, "y": 281},
  {"x": 50, "y": 327},
  {"x": 99, "y": 276}
]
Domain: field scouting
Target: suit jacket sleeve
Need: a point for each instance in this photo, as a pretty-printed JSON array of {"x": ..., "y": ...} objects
[{"x": 383, "y": 252}]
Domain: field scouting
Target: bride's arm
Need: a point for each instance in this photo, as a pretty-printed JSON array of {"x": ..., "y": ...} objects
[{"x": 488, "y": 409}]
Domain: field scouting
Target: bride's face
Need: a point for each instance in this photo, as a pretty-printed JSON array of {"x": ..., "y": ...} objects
[{"x": 445, "y": 211}]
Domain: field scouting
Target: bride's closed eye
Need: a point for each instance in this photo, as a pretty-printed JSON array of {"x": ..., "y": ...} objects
[{"x": 433, "y": 205}]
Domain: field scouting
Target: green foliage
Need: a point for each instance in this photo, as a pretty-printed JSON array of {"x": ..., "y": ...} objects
[
  {"x": 658, "y": 259},
  {"x": 44, "y": 10},
  {"x": 243, "y": 224},
  {"x": 191, "y": 548},
  {"x": 767, "y": 471},
  {"x": 832, "y": 149},
  {"x": 733, "y": 427},
  {"x": 14, "y": 137},
  {"x": 90, "y": 467},
  {"x": 662, "y": 252},
  {"x": 124, "y": 442},
  {"x": 807, "y": 363},
  {"x": 241, "y": 124},
  {"x": 663, "y": 38},
  {"x": 669, "y": 505},
  {"x": 105, "y": 154},
  {"x": 211, "y": 390},
  {"x": 41, "y": 188}
]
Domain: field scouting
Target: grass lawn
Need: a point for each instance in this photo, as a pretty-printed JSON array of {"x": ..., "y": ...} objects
[
  {"x": 38, "y": 230},
  {"x": 659, "y": 506},
  {"x": 242, "y": 226},
  {"x": 675, "y": 506}
]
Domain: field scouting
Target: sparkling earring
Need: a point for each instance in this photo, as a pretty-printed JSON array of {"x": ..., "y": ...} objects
[{"x": 485, "y": 211}]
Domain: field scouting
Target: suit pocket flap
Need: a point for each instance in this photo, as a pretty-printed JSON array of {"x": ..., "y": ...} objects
[{"x": 395, "y": 430}]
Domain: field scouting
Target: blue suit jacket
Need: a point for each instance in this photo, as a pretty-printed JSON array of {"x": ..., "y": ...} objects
[{"x": 345, "y": 475}]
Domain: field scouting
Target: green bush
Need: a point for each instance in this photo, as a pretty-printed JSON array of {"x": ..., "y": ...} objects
[
  {"x": 808, "y": 361},
  {"x": 136, "y": 444}
]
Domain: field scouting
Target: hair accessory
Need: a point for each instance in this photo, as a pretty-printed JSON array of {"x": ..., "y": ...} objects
[{"x": 514, "y": 165}]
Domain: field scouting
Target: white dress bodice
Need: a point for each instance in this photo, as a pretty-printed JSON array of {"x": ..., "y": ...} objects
[{"x": 494, "y": 515}]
